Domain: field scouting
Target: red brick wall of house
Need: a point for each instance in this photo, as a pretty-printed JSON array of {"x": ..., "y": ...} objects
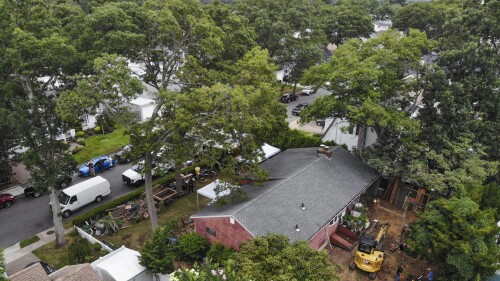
[
  {"x": 320, "y": 239},
  {"x": 230, "y": 235}
]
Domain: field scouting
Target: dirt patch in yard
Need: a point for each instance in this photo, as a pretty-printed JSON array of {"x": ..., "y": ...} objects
[{"x": 385, "y": 213}]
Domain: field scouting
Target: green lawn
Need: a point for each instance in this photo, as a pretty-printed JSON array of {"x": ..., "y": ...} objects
[{"x": 102, "y": 144}]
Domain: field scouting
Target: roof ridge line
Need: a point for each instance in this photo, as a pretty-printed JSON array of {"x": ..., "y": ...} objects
[{"x": 273, "y": 188}]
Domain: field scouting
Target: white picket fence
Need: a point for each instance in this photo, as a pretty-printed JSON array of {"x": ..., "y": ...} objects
[{"x": 92, "y": 240}]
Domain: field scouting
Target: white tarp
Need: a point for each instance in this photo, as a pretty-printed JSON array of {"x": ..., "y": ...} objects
[
  {"x": 269, "y": 151},
  {"x": 209, "y": 189}
]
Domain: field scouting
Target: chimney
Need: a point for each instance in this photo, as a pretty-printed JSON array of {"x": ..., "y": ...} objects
[
  {"x": 323, "y": 149},
  {"x": 297, "y": 228},
  {"x": 303, "y": 206}
]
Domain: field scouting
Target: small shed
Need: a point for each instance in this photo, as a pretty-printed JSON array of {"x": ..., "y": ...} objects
[{"x": 122, "y": 265}]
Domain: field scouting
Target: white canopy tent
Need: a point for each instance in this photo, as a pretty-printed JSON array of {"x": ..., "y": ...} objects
[
  {"x": 209, "y": 191},
  {"x": 269, "y": 151}
]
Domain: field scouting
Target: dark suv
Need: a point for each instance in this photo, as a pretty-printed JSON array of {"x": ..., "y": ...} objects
[
  {"x": 123, "y": 156},
  {"x": 296, "y": 111},
  {"x": 286, "y": 98}
]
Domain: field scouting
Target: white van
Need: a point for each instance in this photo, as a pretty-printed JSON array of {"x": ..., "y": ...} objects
[{"x": 83, "y": 193}]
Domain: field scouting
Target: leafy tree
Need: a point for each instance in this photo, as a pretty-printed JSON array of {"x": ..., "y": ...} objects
[
  {"x": 459, "y": 237},
  {"x": 428, "y": 17},
  {"x": 2, "y": 266},
  {"x": 346, "y": 20},
  {"x": 367, "y": 83},
  {"x": 193, "y": 247},
  {"x": 219, "y": 254},
  {"x": 273, "y": 257},
  {"x": 38, "y": 56},
  {"x": 157, "y": 253},
  {"x": 79, "y": 251}
]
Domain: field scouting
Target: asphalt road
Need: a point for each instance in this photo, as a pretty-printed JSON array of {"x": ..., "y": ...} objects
[
  {"x": 29, "y": 216},
  {"x": 303, "y": 99}
]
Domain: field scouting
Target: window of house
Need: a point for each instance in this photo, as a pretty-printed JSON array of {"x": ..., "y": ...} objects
[
  {"x": 334, "y": 220},
  {"x": 351, "y": 130},
  {"x": 211, "y": 231}
]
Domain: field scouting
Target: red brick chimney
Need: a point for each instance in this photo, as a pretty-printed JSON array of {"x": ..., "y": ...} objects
[{"x": 323, "y": 149}]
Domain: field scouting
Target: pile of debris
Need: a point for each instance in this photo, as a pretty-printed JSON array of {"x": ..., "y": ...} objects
[{"x": 119, "y": 217}]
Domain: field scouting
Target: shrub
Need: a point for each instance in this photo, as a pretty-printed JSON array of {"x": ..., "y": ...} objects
[
  {"x": 74, "y": 233},
  {"x": 29, "y": 241},
  {"x": 192, "y": 247},
  {"x": 77, "y": 149},
  {"x": 79, "y": 251},
  {"x": 80, "y": 134},
  {"x": 96, "y": 247},
  {"x": 106, "y": 122},
  {"x": 97, "y": 129},
  {"x": 158, "y": 254},
  {"x": 218, "y": 254},
  {"x": 297, "y": 139},
  {"x": 80, "y": 141},
  {"x": 99, "y": 211}
]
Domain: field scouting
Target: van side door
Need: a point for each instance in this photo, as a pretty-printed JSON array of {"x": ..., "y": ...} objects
[{"x": 74, "y": 203}]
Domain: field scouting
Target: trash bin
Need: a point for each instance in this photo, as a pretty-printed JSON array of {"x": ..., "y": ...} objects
[{"x": 197, "y": 171}]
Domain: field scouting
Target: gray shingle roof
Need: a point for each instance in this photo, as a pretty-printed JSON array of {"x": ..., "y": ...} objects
[{"x": 325, "y": 186}]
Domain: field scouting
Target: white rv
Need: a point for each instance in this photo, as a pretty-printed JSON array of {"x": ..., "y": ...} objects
[{"x": 83, "y": 193}]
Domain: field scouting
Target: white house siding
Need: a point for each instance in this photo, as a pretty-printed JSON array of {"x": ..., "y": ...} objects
[{"x": 333, "y": 132}]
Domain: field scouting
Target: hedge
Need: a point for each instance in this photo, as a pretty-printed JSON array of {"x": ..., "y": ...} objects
[
  {"x": 292, "y": 138},
  {"x": 101, "y": 210}
]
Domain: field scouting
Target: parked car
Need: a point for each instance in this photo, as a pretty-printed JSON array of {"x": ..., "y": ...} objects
[
  {"x": 296, "y": 111},
  {"x": 320, "y": 122},
  {"x": 135, "y": 175},
  {"x": 286, "y": 98},
  {"x": 6, "y": 200},
  {"x": 308, "y": 90},
  {"x": 99, "y": 164},
  {"x": 30, "y": 191},
  {"x": 123, "y": 156}
]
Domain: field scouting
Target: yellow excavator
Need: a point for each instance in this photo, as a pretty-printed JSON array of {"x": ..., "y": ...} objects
[{"x": 370, "y": 256}]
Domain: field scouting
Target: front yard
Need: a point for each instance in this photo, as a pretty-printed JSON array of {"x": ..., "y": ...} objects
[
  {"x": 132, "y": 237},
  {"x": 102, "y": 144}
]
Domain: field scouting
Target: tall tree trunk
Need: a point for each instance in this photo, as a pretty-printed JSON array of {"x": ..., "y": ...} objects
[
  {"x": 148, "y": 176},
  {"x": 294, "y": 86},
  {"x": 57, "y": 219},
  {"x": 178, "y": 179}
]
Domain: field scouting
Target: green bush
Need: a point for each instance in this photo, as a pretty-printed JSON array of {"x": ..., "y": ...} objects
[
  {"x": 157, "y": 253},
  {"x": 77, "y": 149},
  {"x": 297, "y": 139},
  {"x": 192, "y": 247},
  {"x": 97, "y": 129},
  {"x": 79, "y": 251},
  {"x": 218, "y": 254},
  {"x": 29, "y": 241},
  {"x": 101, "y": 210},
  {"x": 74, "y": 233},
  {"x": 80, "y": 134},
  {"x": 80, "y": 141}
]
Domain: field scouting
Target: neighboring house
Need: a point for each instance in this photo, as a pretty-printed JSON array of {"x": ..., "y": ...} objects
[
  {"x": 123, "y": 265},
  {"x": 79, "y": 272},
  {"x": 89, "y": 120},
  {"x": 144, "y": 108},
  {"x": 356, "y": 137},
  {"x": 305, "y": 198}
]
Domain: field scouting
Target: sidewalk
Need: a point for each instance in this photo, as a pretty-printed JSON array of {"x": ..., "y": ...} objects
[{"x": 16, "y": 258}]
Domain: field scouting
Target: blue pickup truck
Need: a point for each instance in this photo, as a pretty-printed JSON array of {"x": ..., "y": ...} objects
[{"x": 98, "y": 164}]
